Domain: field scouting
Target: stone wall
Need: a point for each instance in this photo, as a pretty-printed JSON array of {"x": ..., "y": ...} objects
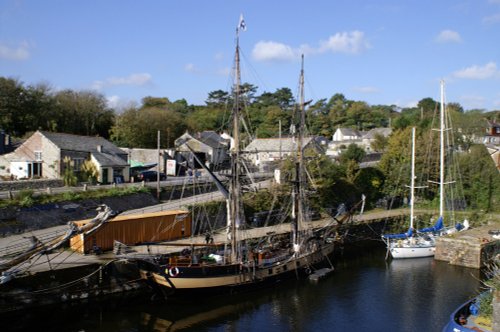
[
  {"x": 19, "y": 220},
  {"x": 30, "y": 184},
  {"x": 466, "y": 251}
]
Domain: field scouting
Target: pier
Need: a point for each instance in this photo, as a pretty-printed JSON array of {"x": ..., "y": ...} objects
[{"x": 473, "y": 248}]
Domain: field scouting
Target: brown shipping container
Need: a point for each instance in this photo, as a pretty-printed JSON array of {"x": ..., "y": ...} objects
[{"x": 134, "y": 229}]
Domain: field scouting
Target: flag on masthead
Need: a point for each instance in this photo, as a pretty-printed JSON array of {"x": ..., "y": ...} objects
[{"x": 242, "y": 25}]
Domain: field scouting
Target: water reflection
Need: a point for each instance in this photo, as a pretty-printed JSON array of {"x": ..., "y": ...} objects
[{"x": 364, "y": 293}]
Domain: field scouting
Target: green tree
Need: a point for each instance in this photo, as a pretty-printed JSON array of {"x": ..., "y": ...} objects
[
  {"x": 480, "y": 179},
  {"x": 139, "y": 127},
  {"x": 379, "y": 143},
  {"x": 69, "y": 177},
  {"x": 353, "y": 152}
]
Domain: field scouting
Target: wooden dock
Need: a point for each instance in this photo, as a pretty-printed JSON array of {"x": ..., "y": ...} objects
[{"x": 473, "y": 248}]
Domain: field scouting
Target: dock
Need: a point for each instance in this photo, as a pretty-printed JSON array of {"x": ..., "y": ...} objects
[
  {"x": 320, "y": 274},
  {"x": 474, "y": 248}
]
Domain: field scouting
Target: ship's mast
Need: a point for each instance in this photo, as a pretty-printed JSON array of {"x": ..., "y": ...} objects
[
  {"x": 298, "y": 213},
  {"x": 233, "y": 202}
]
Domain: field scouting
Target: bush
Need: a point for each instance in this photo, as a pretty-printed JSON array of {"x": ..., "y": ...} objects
[{"x": 25, "y": 198}]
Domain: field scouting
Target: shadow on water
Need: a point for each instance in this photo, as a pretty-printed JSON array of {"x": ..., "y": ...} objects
[{"x": 364, "y": 293}]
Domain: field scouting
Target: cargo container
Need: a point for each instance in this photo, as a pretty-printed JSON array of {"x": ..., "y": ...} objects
[{"x": 133, "y": 230}]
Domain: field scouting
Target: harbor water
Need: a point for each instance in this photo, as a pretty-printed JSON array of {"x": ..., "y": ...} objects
[{"x": 365, "y": 293}]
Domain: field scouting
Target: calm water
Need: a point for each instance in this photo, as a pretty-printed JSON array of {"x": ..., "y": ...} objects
[{"x": 364, "y": 294}]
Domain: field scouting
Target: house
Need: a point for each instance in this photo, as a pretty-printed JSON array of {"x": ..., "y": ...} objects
[
  {"x": 368, "y": 138},
  {"x": 346, "y": 134},
  {"x": 492, "y": 133},
  {"x": 43, "y": 154},
  {"x": 343, "y": 137},
  {"x": 209, "y": 148},
  {"x": 492, "y": 142},
  {"x": 262, "y": 152}
]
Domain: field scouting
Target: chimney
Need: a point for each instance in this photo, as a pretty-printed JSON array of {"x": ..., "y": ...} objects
[{"x": 99, "y": 148}]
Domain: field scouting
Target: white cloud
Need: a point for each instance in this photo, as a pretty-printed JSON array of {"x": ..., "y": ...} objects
[
  {"x": 411, "y": 104},
  {"x": 19, "y": 53},
  {"x": 119, "y": 104},
  {"x": 366, "y": 89},
  {"x": 476, "y": 72},
  {"x": 273, "y": 51},
  {"x": 447, "y": 36},
  {"x": 353, "y": 42},
  {"x": 226, "y": 71},
  {"x": 219, "y": 56},
  {"x": 133, "y": 79},
  {"x": 495, "y": 18},
  {"x": 113, "y": 101},
  {"x": 345, "y": 42},
  {"x": 190, "y": 68}
]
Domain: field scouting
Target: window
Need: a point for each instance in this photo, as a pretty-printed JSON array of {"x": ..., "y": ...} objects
[
  {"x": 77, "y": 163},
  {"x": 38, "y": 155}
]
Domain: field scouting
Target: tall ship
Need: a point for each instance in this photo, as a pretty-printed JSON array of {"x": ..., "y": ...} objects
[{"x": 240, "y": 261}]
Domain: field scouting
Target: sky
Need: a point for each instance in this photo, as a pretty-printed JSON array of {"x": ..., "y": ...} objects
[{"x": 384, "y": 52}]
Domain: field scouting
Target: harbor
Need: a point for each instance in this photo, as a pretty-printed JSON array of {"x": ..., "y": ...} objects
[
  {"x": 371, "y": 206},
  {"x": 364, "y": 293},
  {"x": 108, "y": 273}
]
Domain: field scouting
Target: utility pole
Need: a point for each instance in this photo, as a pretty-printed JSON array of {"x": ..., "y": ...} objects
[{"x": 158, "y": 173}]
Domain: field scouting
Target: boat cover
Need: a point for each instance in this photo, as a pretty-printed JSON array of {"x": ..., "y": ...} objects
[
  {"x": 437, "y": 226},
  {"x": 399, "y": 236}
]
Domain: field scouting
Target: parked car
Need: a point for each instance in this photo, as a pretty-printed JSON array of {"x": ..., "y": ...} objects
[{"x": 150, "y": 176}]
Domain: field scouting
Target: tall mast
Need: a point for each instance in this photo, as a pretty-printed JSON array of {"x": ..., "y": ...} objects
[
  {"x": 412, "y": 182},
  {"x": 233, "y": 203},
  {"x": 298, "y": 211},
  {"x": 441, "y": 152}
]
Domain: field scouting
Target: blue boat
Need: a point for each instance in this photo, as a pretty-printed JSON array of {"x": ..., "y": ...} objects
[{"x": 463, "y": 319}]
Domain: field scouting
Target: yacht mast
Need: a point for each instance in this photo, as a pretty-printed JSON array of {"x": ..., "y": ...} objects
[
  {"x": 412, "y": 181},
  {"x": 441, "y": 152}
]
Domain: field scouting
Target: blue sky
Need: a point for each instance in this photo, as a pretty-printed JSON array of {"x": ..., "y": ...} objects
[{"x": 382, "y": 52}]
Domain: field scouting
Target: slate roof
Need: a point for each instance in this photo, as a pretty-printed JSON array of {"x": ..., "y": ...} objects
[
  {"x": 211, "y": 138},
  {"x": 350, "y": 132},
  {"x": 273, "y": 144},
  {"x": 381, "y": 131},
  {"x": 109, "y": 155}
]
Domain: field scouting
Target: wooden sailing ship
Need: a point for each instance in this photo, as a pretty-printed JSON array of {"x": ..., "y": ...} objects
[{"x": 239, "y": 263}]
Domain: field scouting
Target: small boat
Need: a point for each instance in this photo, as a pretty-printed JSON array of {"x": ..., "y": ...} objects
[
  {"x": 410, "y": 244},
  {"x": 465, "y": 318},
  {"x": 439, "y": 229},
  {"x": 421, "y": 242}
]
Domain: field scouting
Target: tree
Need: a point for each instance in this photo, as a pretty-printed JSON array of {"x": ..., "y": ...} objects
[
  {"x": 379, "y": 143},
  {"x": 395, "y": 162},
  {"x": 89, "y": 171},
  {"x": 12, "y": 106},
  {"x": 481, "y": 183},
  {"x": 157, "y": 102},
  {"x": 353, "y": 152},
  {"x": 205, "y": 118},
  {"x": 82, "y": 113},
  {"x": 217, "y": 98},
  {"x": 139, "y": 127},
  {"x": 69, "y": 177}
]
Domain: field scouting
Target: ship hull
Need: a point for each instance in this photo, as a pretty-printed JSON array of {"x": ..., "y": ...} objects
[{"x": 230, "y": 277}]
